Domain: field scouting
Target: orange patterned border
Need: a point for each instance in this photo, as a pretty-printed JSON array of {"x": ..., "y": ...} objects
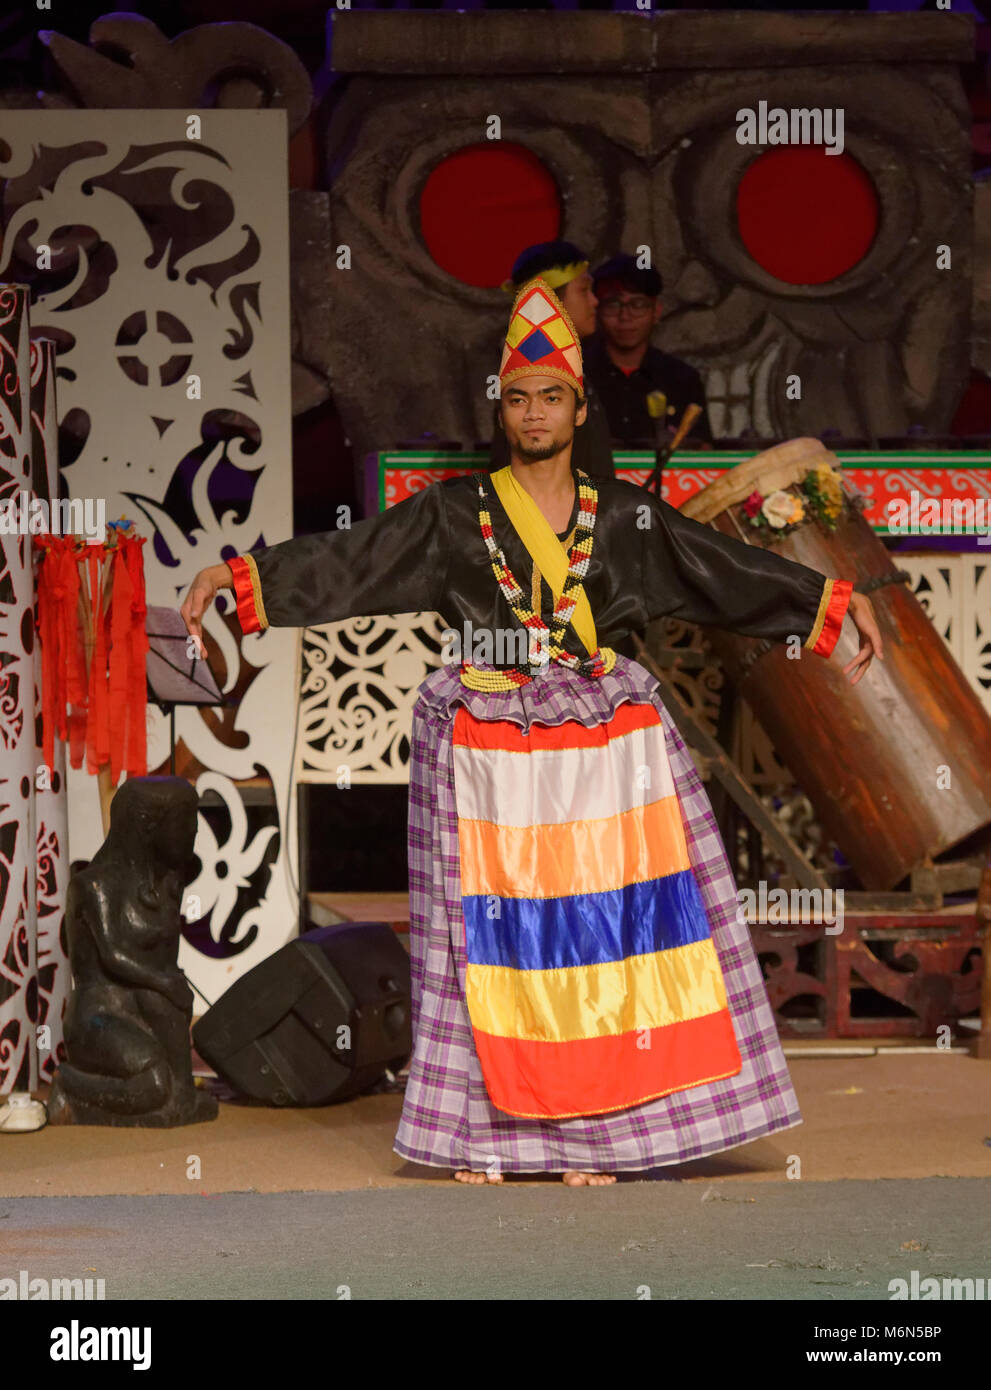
[
  {"x": 829, "y": 620},
  {"x": 248, "y": 592}
]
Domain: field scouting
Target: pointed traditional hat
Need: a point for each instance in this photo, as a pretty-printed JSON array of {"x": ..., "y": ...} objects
[{"x": 541, "y": 340}]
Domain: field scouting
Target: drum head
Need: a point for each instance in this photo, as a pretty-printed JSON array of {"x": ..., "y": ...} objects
[{"x": 780, "y": 467}]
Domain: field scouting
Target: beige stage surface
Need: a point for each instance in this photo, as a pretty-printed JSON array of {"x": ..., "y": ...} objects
[{"x": 896, "y": 1115}]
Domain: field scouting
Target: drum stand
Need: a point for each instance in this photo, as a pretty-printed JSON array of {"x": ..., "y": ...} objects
[{"x": 928, "y": 884}]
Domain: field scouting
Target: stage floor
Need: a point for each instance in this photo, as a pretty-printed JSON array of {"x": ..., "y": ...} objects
[
  {"x": 774, "y": 1241},
  {"x": 897, "y": 1115}
]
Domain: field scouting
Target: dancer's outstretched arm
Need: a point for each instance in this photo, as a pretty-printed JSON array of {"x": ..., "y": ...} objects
[
  {"x": 696, "y": 573},
  {"x": 395, "y": 562}
]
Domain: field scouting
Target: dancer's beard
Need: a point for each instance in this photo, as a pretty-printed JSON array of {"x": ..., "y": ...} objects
[{"x": 534, "y": 453}]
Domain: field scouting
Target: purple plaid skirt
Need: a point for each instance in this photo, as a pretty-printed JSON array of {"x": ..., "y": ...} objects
[{"x": 448, "y": 1120}]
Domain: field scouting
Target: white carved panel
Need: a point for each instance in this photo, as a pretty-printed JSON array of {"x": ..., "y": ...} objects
[
  {"x": 936, "y": 583},
  {"x": 955, "y": 591},
  {"x": 359, "y": 685},
  {"x": 51, "y": 801},
  {"x": 975, "y": 624},
  {"x": 170, "y": 260},
  {"x": 18, "y": 752}
]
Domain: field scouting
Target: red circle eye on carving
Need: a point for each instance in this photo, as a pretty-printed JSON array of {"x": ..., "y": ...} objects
[
  {"x": 482, "y": 206},
  {"x": 806, "y": 216}
]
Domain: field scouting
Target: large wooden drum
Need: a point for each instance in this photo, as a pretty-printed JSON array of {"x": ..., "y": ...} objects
[{"x": 898, "y": 766}]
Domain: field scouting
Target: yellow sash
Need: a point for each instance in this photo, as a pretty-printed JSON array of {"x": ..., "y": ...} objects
[{"x": 544, "y": 548}]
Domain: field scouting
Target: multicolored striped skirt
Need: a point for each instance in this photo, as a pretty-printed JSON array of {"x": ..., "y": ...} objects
[{"x": 583, "y": 994}]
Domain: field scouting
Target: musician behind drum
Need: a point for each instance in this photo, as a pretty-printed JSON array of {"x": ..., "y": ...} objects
[{"x": 623, "y": 366}]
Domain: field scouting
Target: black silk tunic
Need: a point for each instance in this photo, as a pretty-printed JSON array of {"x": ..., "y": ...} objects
[{"x": 427, "y": 554}]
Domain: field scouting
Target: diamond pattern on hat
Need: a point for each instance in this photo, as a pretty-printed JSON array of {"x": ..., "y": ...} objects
[
  {"x": 518, "y": 329},
  {"x": 559, "y": 333},
  {"x": 536, "y": 346},
  {"x": 536, "y": 309}
]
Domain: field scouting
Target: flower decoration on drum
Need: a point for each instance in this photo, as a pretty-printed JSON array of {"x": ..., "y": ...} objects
[
  {"x": 782, "y": 509},
  {"x": 824, "y": 488},
  {"x": 779, "y": 512}
]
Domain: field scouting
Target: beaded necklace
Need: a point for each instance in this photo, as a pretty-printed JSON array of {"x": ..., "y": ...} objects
[{"x": 546, "y": 643}]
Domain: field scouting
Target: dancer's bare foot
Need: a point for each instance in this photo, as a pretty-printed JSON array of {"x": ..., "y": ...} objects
[
  {"x": 587, "y": 1179},
  {"x": 464, "y": 1175}
]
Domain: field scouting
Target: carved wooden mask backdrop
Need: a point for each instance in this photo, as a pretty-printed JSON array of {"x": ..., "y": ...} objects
[{"x": 634, "y": 119}]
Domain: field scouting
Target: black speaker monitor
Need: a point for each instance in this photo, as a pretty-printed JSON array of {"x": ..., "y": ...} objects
[{"x": 319, "y": 1020}]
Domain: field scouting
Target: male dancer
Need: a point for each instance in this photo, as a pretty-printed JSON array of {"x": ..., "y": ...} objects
[{"x": 584, "y": 999}]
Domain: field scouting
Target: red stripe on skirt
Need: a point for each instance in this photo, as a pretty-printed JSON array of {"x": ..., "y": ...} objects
[
  {"x": 470, "y": 732},
  {"x": 582, "y": 1077}
]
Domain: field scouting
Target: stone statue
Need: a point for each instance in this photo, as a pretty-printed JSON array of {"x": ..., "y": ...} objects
[{"x": 127, "y": 1023}]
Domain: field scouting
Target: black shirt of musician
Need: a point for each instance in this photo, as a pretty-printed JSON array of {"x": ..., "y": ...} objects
[{"x": 624, "y": 395}]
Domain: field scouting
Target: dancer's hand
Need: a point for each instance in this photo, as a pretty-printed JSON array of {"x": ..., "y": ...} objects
[
  {"x": 202, "y": 592},
  {"x": 862, "y": 612}
]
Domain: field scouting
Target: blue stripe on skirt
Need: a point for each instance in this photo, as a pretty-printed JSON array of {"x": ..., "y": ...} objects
[{"x": 588, "y": 929}]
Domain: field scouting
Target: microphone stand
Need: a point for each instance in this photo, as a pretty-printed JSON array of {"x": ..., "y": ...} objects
[{"x": 664, "y": 451}]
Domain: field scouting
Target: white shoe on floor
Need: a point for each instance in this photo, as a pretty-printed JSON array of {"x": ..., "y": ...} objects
[{"x": 19, "y": 1114}]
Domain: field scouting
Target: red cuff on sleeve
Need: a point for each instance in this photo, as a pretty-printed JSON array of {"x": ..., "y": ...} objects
[
  {"x": 832, "y": 622},
  {"x": 247, "y": 594}
]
